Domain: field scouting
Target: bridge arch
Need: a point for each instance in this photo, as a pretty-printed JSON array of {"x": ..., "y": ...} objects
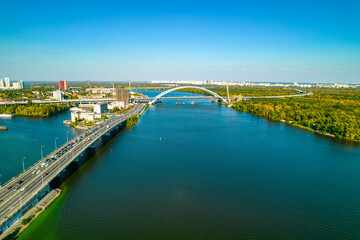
[{"x": 182, "y": 87}]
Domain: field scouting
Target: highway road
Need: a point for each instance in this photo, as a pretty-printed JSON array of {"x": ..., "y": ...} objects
[{"x": 38, "y": 176}]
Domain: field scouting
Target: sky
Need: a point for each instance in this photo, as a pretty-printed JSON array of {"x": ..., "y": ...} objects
[{"x": 252, "y": 41}]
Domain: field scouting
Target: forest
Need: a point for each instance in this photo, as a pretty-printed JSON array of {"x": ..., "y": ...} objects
[
  {"x": 243, "y": 91},
  {"x": 328, "y": 111},
  {"x": 34, "y": 110}
]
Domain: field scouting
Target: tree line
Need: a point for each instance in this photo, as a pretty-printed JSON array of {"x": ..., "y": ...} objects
[
  {"x": 36, "y": 110},
  {"x": 236, "y": 91},
  {"x": 332, "y": 111}
]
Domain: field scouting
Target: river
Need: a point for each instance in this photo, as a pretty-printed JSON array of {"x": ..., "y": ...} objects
[{"x": 197, "y": 172}]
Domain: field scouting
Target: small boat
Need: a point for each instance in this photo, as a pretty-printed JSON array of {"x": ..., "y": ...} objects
[
  {"x": 3, "y": 128},
  {"x": 180, "y": 103},
  {"x": 159, "y": 103},
  {"x": 194, "y": 102},
  {"x": 6, "y": 115}
]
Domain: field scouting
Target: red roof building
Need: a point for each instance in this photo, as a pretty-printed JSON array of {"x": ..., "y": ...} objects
[{"x": 63, "y": 85}]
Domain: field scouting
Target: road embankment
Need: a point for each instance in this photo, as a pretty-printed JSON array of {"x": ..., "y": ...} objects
[{"x": 32, "y": 214}]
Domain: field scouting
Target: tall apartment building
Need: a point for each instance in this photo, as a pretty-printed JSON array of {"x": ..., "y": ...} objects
[
  {"x": 122, "y": 95},
  {"x": 63, "y": 85},
  {"x": 7, "y": 82},
  {"x": 21, "y": 84},
  {"x": 18, "y": 85}
]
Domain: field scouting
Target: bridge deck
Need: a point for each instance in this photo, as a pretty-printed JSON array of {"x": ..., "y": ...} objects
[{"x": 12, "y": 201}]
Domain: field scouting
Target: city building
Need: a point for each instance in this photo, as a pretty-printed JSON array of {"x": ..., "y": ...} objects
[
  {"x": 63, "y": 85},
  {"x": 122, "y": 95},
  {"x": 100, "y": 108},
  {"x": 82, "y": 114},
  {"x": 231, "y": 83},
  {"x": 116, "y": 104},
  {"x": 101, "y": 90},
  {"x": 18, "y": 85},
  {"x": 58, "y": 95},
  {"x": 7, "y": 84}
]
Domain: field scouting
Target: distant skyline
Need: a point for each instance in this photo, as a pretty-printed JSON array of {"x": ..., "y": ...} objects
[{"x": 252, "y": 41}]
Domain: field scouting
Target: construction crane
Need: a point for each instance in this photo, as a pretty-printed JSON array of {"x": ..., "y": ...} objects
[{"x": 227, "y": 90}]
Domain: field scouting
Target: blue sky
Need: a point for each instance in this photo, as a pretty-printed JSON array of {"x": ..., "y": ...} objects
[{"x": 284, "y": 41}]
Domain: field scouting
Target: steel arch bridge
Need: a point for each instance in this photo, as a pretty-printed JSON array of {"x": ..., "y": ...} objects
[{"x": 182, "y": 87}]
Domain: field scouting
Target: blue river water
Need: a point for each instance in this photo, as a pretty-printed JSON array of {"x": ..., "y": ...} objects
[{"x": 199, "y": 171}]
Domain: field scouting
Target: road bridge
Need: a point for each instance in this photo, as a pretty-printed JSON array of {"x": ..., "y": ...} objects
[
  {"x": 152, "y": 100},
  {"x": 21, "y": 193},
  {"x": 82, "y": 100},
  {"x": 160, "y": 96}
]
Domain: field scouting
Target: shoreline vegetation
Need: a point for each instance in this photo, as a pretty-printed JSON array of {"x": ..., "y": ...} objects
[
  {"x": 34, "y": 110},
  {"x": 330, "y": 112},
  {"x": 83, "y": 124},
  {"x": 37, "y": 211},
  {"x": 61, "y": 194},
  {"x": 244, "y": 91},
  {"x": 132, "y": 121}
]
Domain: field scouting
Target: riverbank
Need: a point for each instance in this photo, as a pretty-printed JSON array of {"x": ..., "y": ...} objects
[
  {"x": 132, "y": 121},
  {"x": 34, "y": 110},
  {"x": 331, "y": 113},
  {"x": 23, "y": 223},
  {"x": 28, "y": 217},
  {"x": 79, "y": 126},
  {"x": 292, "y": 124},
  {"x": 270, "y": 171}
]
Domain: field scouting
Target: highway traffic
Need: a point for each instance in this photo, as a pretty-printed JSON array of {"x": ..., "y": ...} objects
[{"x": 20, "y": 190}]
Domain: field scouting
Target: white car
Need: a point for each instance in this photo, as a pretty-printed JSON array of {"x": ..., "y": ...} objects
[{"x": 23, "y": 189}]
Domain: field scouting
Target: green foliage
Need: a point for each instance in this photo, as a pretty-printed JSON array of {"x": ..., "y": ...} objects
[
  {"x": 73, "y": 124},
  {"x": 26, "y": 93},
  {"x": 244, "y": 91},
  {"x": 132, "y": 121},
  {"x": 88, "y": 124},
  {"x": 336, "y": 112},
  {"x": 12, "y": 235},
  {"x": 27, "y": 220},
  {"x": 115, "y": 109},
  {"x": 34, "y": 109}
]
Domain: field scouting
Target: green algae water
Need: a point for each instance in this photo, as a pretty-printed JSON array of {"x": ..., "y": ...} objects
[
  {"x": 203, "y": 171},
  {"x": 41, "y": 222}
]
